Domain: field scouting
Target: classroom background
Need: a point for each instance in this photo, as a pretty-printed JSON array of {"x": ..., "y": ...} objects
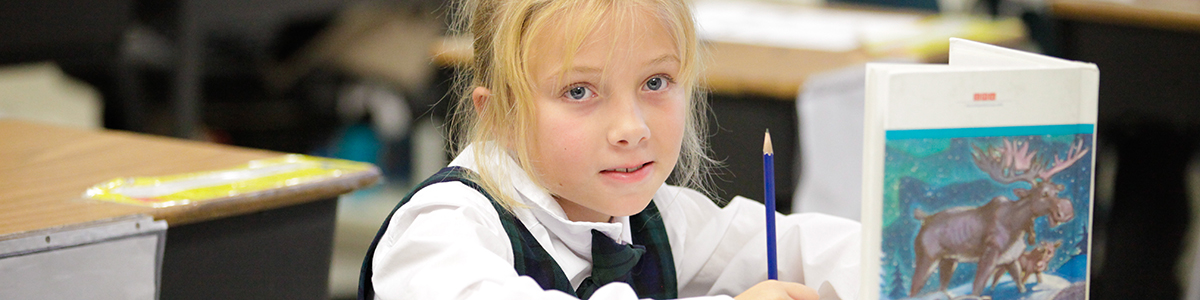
[{"x": 368, "y": 80}]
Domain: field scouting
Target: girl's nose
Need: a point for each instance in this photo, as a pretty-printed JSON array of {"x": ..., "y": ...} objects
[{"x": 628, "y": 123}]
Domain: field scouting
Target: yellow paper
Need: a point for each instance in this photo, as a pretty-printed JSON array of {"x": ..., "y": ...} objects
[{"x": 255, "y": 176}]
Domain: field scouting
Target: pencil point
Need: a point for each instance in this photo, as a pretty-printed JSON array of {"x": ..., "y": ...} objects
[{"x": 767, "y": 149}]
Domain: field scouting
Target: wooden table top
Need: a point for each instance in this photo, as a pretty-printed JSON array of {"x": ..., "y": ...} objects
[
  {"x": 44, "y": 171},
  {"x": 1164, "y": 14}
]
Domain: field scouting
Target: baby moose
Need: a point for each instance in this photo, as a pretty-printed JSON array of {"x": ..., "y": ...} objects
[{"x": 1033, "y": 261}]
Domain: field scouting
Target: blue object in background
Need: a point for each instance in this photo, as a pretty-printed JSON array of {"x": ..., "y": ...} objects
[{"x": 358, "y": 143}]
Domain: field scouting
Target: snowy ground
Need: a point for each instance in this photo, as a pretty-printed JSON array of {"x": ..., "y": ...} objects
[{"x": 1050, "y": 287}]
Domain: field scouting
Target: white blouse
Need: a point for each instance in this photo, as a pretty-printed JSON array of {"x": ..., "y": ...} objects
[{"x": 447, "y": 243}]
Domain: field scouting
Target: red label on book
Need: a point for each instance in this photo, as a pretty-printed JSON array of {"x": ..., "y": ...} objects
[{"x": 985, "y": 96}]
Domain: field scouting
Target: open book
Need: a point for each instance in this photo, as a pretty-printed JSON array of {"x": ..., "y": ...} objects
[{"x": 978, "y": 176}]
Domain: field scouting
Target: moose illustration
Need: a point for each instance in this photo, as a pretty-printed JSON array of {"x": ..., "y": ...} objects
[
  {"x": 995, "y": 233},
  {"x": 1032, "y": 262}
]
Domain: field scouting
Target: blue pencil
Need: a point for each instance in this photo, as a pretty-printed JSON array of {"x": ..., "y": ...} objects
[{"x": 769, "y": 198}]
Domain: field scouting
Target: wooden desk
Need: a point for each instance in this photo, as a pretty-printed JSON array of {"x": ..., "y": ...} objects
[
  {"x": 274, "y": 244},
  {"x": 1160, "y": 14},
  {"x": 1149, "y": 103}
]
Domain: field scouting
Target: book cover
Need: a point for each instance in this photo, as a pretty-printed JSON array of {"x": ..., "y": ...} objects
[{"x": 978, "y": 177}]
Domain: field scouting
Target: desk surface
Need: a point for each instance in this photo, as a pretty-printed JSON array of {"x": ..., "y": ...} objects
[
  {"x": 45, "y": 169},
  {"x": 1164, "y": 14}
]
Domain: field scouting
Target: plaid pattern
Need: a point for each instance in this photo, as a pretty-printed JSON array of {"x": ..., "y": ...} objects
[{"x": 653, "y": 276}]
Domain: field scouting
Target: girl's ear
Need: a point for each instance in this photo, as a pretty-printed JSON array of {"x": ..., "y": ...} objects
[{"x": 479, "y": 96}]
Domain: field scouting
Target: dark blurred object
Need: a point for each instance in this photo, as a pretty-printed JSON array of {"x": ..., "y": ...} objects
[
  {"x": 223, "y": 47},
  {"x": 1033, "y": 13},
  {"x": 81, "y": 36},
  {"x": 235, "y": 104},
  {"x": 1150, "y": 113},
  {"x": 743, "y": 165},
  {"x": 84, "y": 38},
  {"x": 925, "y": 5},
  {"x": 275, "y": 80},
  {"x": 153, "y": 60},
  {"x": 1041, "y": 30}
]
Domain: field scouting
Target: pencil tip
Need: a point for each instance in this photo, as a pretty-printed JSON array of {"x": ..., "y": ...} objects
[{"x": 767, "y": 148}]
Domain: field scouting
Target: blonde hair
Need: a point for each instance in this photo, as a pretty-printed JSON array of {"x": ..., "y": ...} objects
[{"x": 502, "y": 31}]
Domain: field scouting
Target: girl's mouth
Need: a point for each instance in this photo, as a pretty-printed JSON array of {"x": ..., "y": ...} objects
[
  {"x": 629, "y": 175},
  {"x": 628, "y": 170}
]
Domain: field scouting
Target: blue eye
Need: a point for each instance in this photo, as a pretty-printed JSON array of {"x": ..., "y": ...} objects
[
  {"x": 578, "y": 93},
  {"x": 656, "y": 83}
]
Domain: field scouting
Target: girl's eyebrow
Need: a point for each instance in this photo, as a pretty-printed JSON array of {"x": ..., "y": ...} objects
[
  {"x": 665, "y": 58},
  {"x": 576, "y": 69}
]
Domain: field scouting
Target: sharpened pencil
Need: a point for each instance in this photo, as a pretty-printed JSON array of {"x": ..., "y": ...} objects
[{"x": 769, "y": 199}]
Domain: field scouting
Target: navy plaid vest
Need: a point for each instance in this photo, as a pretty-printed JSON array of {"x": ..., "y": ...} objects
[{"x": 653, "y": 276}]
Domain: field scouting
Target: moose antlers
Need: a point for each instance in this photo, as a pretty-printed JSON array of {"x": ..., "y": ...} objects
[
  {"x": 1073, "y": 155},
  {"x": 1013, "y": 162}
]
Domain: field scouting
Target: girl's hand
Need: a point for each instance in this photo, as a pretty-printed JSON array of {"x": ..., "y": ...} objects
[{"x": 773, "y": 289}]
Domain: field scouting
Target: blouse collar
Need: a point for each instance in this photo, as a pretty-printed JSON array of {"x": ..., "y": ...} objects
[{"x": 539, "y": 203}]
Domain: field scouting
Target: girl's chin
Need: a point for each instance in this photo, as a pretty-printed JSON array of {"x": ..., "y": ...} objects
[
  {"x": 620, "y": 203},
  {"x": 631, "y": 206}
]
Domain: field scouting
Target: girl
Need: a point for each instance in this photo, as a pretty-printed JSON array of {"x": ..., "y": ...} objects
[{"x": 575, "y": 112}]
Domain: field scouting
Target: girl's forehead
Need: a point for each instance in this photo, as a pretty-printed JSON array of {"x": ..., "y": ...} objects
[
  {"x": 618, "y": 16},
  {"x": 566, "y": 37}
]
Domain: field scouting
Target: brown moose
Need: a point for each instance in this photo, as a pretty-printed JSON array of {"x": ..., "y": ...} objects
[
  {"x": 1032, "y": 262},
  {"x": 995, "y": 233}
]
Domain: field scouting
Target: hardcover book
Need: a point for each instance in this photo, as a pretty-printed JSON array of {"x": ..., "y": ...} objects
[{"x": 978, "y": 176}]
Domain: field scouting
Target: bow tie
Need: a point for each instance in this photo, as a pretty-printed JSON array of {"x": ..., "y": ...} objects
[{"x": 610, "y": 262}]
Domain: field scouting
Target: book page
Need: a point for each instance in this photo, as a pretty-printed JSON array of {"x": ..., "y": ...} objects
[{"x": 968, "y": 53}]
